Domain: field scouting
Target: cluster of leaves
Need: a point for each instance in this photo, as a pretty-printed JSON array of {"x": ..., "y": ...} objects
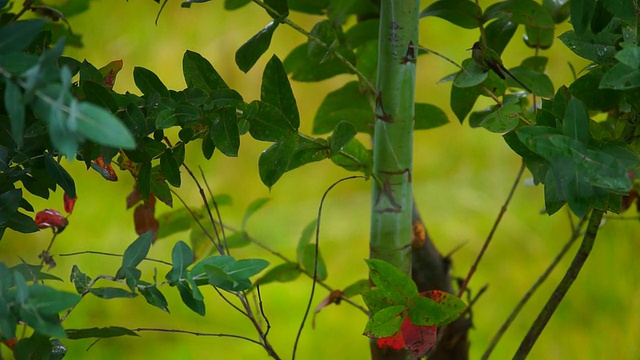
[
  {"x": 34, "y": 304},
  {"x": 582, "y": 162},
  {"x": 38, "y": 305},
  {"x": 402, "y": 317}
]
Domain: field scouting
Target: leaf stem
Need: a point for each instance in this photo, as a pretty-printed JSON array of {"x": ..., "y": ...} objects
[{"x": 562, "y": 288}]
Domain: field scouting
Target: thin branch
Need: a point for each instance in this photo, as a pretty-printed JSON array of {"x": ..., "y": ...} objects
[
  {"x": 562, "y": 288},
  {"x": 206, "y": 204},
  {"x": 215, "y": 206},
  {"x": 575, "y": 234},
  {"x": 85, "y": 292},
  {"x": 503, "y": 210},
  {"x": 195, "y": 333},
  {"x": 315, "y": 260},
  {"x": 112, "y": 254},
  {"x": 195, "y": 217}
]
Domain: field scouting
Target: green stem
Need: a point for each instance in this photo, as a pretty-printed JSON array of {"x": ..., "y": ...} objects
[
  {"x": 562, "y": 289},
  {"x": 392, "y": 199}
]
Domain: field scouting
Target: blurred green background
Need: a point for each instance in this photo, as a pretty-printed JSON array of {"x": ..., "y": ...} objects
[{"x": 461, "y": 178}]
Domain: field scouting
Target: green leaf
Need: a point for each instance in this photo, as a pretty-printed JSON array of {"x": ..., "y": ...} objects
[
  {"x": 181, "y": 257},
  {"x": 238, "y": 239},
  {"x": 274, "y": 161},
  {"x": 357, "y": 288},
  {"x": 308, "y": 151},
  {"x": 9, "y": 203},
  {"x": 448, "y": 308},
  {"x": 14, "y": 105},
  {"x": 601, "y": 17},
  {"x": 576, "y": 121},
  {"x": 225, "y": 133},
  {"x": 307, "y": 69},
  {"x": 101, "y": 333},
  {"x": 173, "y": 222},
  {"x": 599, "y": 48},
  {"x": 80, "y": 280},
  {"x": 325, "y": 32},
  {"x": 267, "y": 123},
  {"x": 60, "y": 175},
  {"x": 16, "y": 36},
  {"x": 280, "y": 6},
  {"x": 397, "y": 286},
  {"x": 341, "y": 136},
  {"x": 199, "y": 73},
  {"x": 276, "y": 91},
  {"x": 220, "y": 279},
  {"x": 498, "y": 119},
  {"x": 245, "y": 268},
  {"x": 22, "y": 223},
  {"x": 539, "y": 83},
  {"x": 305, "y": 239},
  {"x": 621, "y": 8},
  {"x": 98, "y": 94},
  {"x": 148, "y": 82},
  {"x": 386, "y": 322},
  {"x": 345, "y": 104},
  {"x": 499, "y": 33},
  {"x": 464, "y": 13},
  {"x": 586, "y": 89},
  {"x": 102, "y": 127},
  {"x": 630, "y": 56},
  {"x": 526, "y": 12},
  {"x": 188, "y": 298},
  {"x": 144, "y": 180},
  {"x": 355, "y": 157},
  {"x": 37, "y": 346},
  {"x": 552, "y": 200},
  {"x": 252, "y": 209},
  {"x": 135, "y": 253},
  {"x": 169, "y": 167},
  {"x": 472, "y": 75},
  {"x": 159, "y": 187},
  {"x": 308, "y": 262},
  {"x": 249, "y": 53},
  {"x": 208, "y": 146},
  {"x": 32, "y": 272},
  {"x": 48, "y": 301},
  {"x": 314, "y": 7},
  {"x": 112, "y": 293},
  {"x": 153, "y": 296},
  {"x": 621, "y": 77},
  {"x": 428, "y": 116},
  {"x": 376, "y": 300},
  {"x": 285, "y": 272},
  {"x": 462, "y": 101},
  {"x": 198, "y": 273},
  {"x": 581, "y": 13}
]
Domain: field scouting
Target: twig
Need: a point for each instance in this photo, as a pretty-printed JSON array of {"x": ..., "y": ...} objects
[
  {"x": 575, "y": 234},
  {"x": 112, "y": 254},
  {"x": 215, "y": 206},
  {"x": 315, "y": 260},
  {"x": 503, "y": 210},
  {"x": 562, "y": 288},
  {"x": 195, "y": 217},
  {"x": 195, "y": 333},
  {"x": 84, "y": 293},
  {"x": 206, "y": 204}
]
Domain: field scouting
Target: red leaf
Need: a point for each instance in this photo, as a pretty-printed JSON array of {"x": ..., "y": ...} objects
[
  {"x": 418, "y": 339},
  {"x": 11, "y": 343},
  {"x": 133, "y": 198},
  {"x": 334, "y": 298},
  {"x": 106, "y": 171},
  {"x": 50, "y": 218},
  {"x": 396, "y": 341},
  {"x": 144, "y": 218},
  {"x": 69, "y": 203},
  {"x": 110, "y": 71}
]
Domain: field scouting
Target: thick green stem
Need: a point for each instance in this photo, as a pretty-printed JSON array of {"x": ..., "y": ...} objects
[
  {"x": 393, "y": 136},
  {"x": 562, "y": 289}
]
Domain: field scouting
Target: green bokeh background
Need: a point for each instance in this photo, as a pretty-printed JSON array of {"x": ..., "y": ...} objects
[{"x": 461, "y": 178}]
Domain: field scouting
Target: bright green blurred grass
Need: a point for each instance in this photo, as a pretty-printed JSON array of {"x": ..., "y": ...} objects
[{"x": 461, "y": 179}]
